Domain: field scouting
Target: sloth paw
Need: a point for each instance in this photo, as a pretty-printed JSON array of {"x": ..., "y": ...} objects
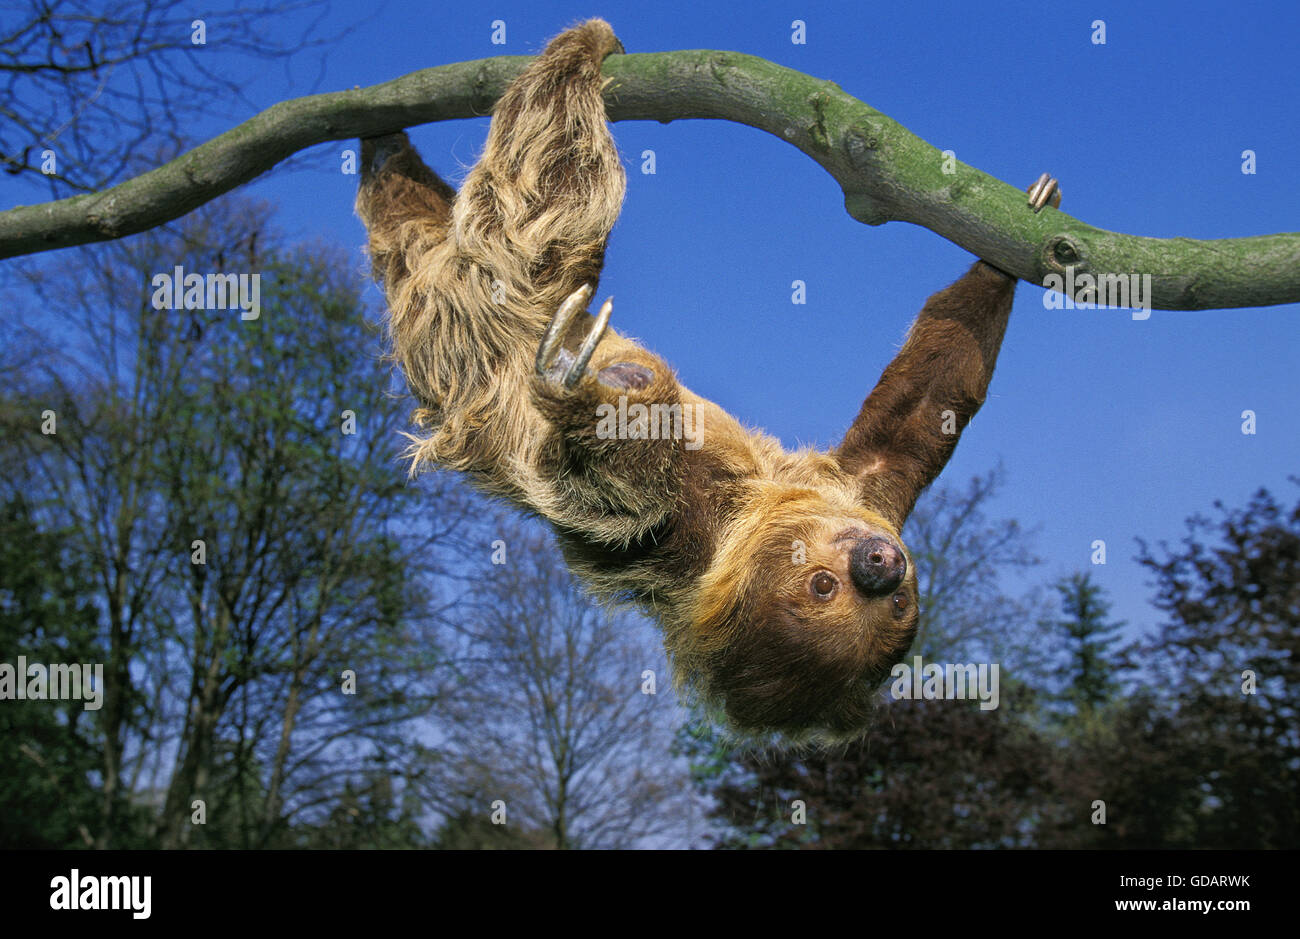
[
  {"x": 375, "y": 151},
  {"x": 625, "y": 375},
  {"x": 1044, "y": 191},
  {"x": 556, "y": 363}
]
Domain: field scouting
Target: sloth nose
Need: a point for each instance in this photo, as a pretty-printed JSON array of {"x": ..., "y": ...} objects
[{"x": 877, "y": 567}]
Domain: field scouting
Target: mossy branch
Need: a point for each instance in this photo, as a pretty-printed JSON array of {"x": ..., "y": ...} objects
[{"x": 886, "y": 172}]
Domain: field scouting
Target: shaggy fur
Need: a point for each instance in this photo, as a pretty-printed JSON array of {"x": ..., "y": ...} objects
[{"x": 780, "y": 579}]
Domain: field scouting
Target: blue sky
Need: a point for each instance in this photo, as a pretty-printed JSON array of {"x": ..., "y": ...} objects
[{"x": 1107, "y": 427}]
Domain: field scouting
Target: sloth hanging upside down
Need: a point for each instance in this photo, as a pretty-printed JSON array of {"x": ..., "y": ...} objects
[{"x": 783, "y": 588}]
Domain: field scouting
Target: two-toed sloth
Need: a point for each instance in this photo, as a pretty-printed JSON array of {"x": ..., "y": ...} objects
[{"x": 783, "y": 588}]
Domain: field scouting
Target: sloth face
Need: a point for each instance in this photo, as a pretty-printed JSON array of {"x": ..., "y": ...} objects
[{"x": 821, "y": 605}]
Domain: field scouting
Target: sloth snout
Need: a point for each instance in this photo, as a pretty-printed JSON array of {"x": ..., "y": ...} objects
[{"x": 877, "y": 567}]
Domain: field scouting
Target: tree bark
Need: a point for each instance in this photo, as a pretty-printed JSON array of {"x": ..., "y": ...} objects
[{"x": 885, "y": 171}]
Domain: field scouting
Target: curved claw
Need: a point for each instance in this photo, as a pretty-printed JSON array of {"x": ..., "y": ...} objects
[
  {"x": 589, "y": 344},
  {"x": 1043, "y": 191},
  {"x": 573, "y": 304}
]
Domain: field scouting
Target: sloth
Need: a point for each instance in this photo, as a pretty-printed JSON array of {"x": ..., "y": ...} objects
[{"x": 782, "y": 585}]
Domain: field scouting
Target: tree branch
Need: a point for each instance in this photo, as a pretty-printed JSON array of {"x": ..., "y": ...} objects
[{"x": 886, "y": 172}]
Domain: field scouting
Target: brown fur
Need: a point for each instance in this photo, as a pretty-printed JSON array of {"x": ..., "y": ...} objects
[{"x": 708, "y": 540}]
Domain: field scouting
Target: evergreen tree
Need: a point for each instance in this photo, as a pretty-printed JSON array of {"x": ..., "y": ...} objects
[{"x": 1089, "y": 670}]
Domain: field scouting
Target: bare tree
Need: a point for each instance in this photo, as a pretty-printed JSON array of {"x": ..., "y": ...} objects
[
  {"x": 960, "y": 557},
  {"x": 552, "y": 721},
  {"x": 248, "y": 549},
  {"x": 100, "y": 82}
]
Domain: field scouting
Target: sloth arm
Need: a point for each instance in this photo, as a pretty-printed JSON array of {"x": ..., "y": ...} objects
[{"x": 909, "y": 425}]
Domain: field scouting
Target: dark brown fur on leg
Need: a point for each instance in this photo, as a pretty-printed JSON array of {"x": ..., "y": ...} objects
[
  {"x": 909, "y": 425},
  {"x": 403, "y": 202}
]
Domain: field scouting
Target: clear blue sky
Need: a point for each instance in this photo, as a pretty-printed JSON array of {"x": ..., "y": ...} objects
[{"x": 1108, "y": 428}]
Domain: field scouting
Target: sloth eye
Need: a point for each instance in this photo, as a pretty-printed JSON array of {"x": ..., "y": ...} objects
[
  {"x": 823, "y": 585},
  {"x": 901, "y": 602}
]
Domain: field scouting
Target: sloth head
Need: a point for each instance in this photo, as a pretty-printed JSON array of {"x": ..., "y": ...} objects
[{"x": 802, "y": 614}]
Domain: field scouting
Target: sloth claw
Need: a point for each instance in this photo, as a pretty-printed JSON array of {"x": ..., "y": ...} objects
[
  {"x": 589, "y": 344},
  {"x": 1044, "y": 191},
  {"x": 550, "y": 348},
  {"x": 551, "y": 353}
]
